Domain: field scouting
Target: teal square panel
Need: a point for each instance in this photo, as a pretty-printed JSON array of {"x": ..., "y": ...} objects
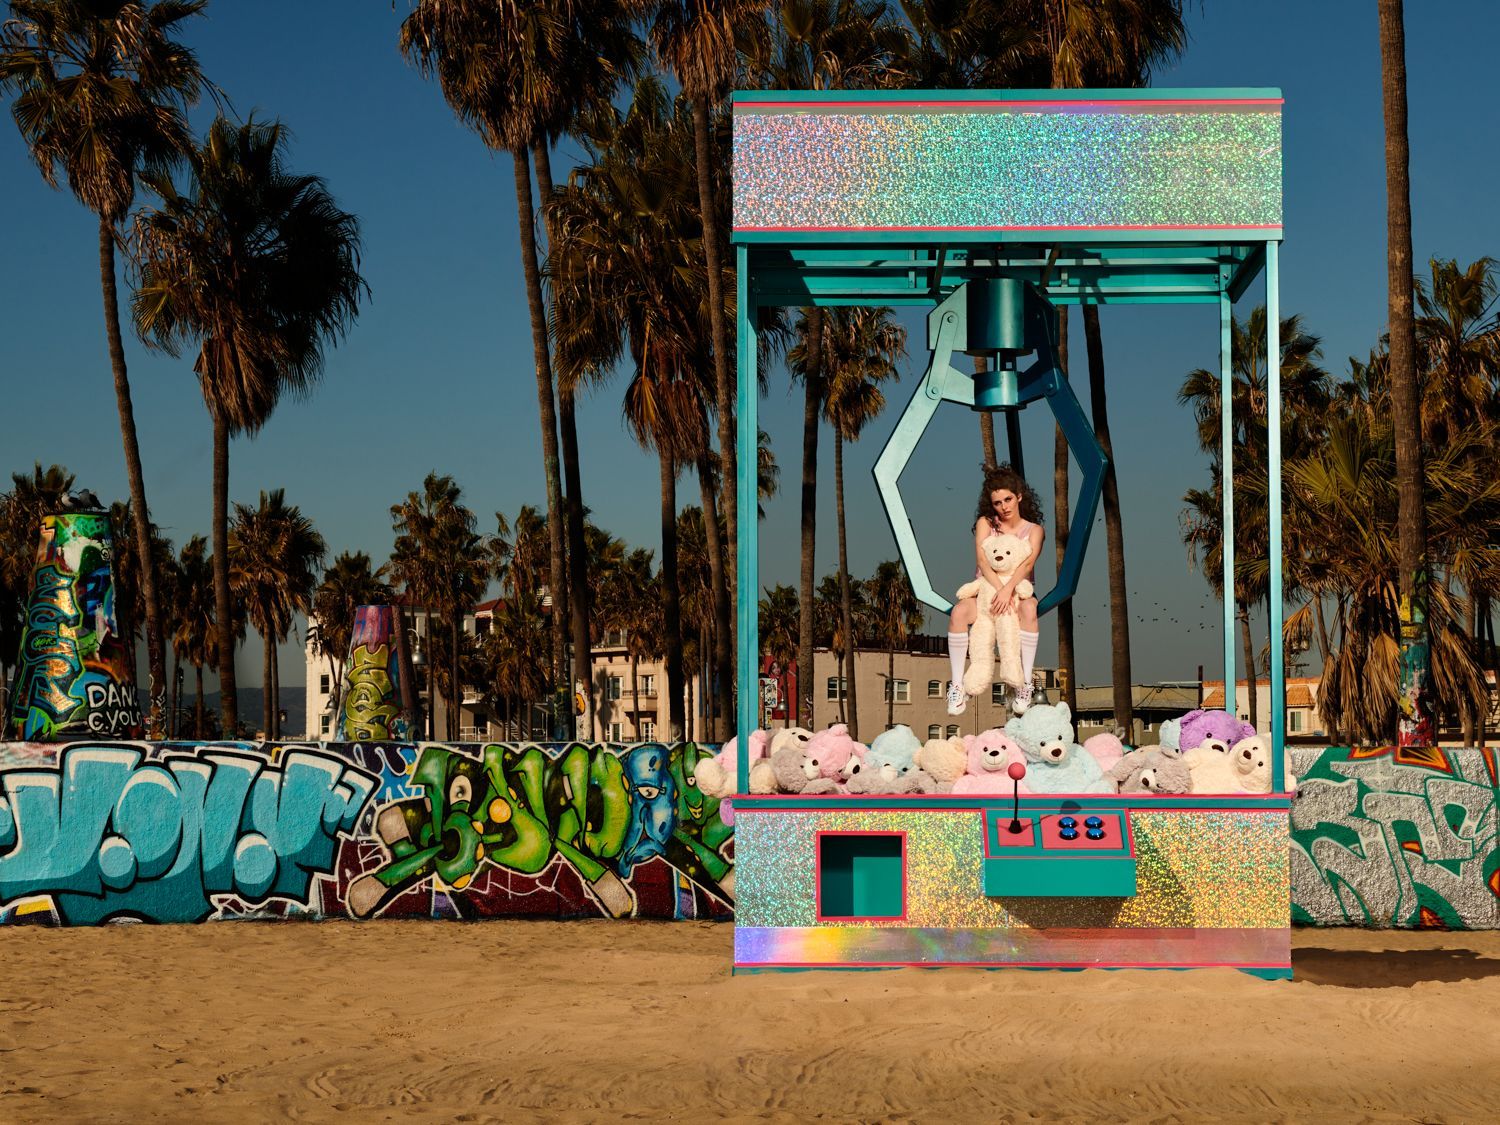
[{"x": 861, "y": 875}]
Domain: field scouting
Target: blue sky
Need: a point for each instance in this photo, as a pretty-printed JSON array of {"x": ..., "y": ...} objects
[{"x": 437, "y": 372}]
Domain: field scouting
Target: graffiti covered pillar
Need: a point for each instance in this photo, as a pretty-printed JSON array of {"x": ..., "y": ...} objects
[
  {"x": 74, "y": 675},
  {"x": 372, "y": 710}
]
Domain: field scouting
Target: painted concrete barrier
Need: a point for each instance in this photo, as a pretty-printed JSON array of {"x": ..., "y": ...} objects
[
  {"x": 92, "y": 832},
  {"x": 1396, "y": 839}
]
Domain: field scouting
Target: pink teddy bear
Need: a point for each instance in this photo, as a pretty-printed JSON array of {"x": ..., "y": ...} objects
[
  {"x": 835, "y": 754},
  {"x": 990, "y": 752}
]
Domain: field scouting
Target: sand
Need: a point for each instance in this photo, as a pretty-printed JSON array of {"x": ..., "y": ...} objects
[{"x": 515, "y": 1021}]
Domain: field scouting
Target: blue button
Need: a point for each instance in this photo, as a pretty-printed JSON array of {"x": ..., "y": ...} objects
[
  {"x": 1067, "y": 822},
  {"x": 1069, "y": 833},
  {"x": 1095, "y": 833},
  {"x": 1093, "y": 822}
]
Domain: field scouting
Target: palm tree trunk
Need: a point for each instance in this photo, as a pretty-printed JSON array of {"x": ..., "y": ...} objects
[
  {"x": 455, "y": 687},
  {"x": 671, "y": 602},
  {"x": 1231, "y": 696},
  {"x": 526, "y": 219},
  {"x": 156, "y": 662},
  {"x": 635, "y": 697},
  {"x": 176, "y": 695},
  {"x": 723, "y": 680},
  {"x": 429, "y": 661},
  {"x": 1061, "y": 503},
  {"x": 275, "y": 690},
  {"x": 578, "y": 578},
  {"x": 986, "y": 423},
  {"x": 1417, "y": 729},
  {"x": 265, "y": 687},
  {"x": 890, "y": 687},
  {"x": 223, "y": 606},
  {"x": 724, "y": 384},
  {"x": 1119, "y": 608},
  {"x": 846, "y": 598},
  {"x": 812, "y": 402},
  {"x": 199, "y": 718}
]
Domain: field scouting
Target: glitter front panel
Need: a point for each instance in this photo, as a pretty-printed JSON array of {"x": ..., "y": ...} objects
[
  {"x": 1105, "y": 165},
  {"x": 1197, "y": 871}
]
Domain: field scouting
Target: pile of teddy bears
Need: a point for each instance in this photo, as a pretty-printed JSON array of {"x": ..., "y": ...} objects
[{"x": 1203, "y": 752}]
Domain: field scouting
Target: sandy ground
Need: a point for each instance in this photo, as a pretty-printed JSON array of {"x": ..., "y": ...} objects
[{"x": 508, "y": 1021}]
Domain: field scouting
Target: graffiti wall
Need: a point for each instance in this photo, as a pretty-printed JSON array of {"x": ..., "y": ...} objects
[
  {"x": 1396, "y": 838},
  {"x": 73, "y": 675},
  {"x": 94, "y": 832}
]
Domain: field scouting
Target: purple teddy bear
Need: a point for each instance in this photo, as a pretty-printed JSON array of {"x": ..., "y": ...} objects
[{"x": 1215, "y": 730}]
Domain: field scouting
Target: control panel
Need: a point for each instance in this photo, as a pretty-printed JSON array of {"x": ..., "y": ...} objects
[{"x": 1070, "y": 853}]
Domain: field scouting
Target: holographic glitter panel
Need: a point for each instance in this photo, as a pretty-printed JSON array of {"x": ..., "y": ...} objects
[
  {"x": 1199, "y": 869},
  {"x": 1163, "y": 164}
]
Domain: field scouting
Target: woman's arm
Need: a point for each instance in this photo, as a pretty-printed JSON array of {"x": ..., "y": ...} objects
[{"x": 1006, "y": 591}]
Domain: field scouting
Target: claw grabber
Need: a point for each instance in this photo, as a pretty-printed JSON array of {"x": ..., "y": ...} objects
[{"x": 1004, "y": 318}]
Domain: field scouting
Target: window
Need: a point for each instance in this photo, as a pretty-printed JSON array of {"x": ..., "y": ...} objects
[
  {"x": 482, "y": 625},
  {"x": 616, "y": 732},
  {"x": 935, "y": 731},
  {"x": 326, "y": 723},
  {"x": 648, "y": 729},
  {"x": 952, "y": 730},
  {"x": 903, "y": 690},
  {"x": 613, "y": 687},
  {"x": 648, "y": 684},
  {"x": 323, "y": 683},
  {"x": 838, "y": 687},
  {"x": 934, "y": 689},
  {"x": 861, "y": 875},
  {"x": 997, "y": 693},
  {"x": 1294, "y": 721},
  {"x": 614, "y": 638}
]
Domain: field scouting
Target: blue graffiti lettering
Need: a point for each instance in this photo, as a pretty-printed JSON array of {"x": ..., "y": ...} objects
[{"x": 108, "y": 834}]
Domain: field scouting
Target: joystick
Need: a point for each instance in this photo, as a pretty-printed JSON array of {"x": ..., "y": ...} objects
[{"x": 1017, "y": 771}]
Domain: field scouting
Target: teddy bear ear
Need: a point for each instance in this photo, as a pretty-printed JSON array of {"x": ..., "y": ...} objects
[{"x": 1062, "y": 709}]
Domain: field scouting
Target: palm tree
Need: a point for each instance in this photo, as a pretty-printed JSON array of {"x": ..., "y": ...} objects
[
  {"x": 440, "y": 560},
  {"x": 1458, "y": 345},
  {"x": 21, "y": 510},
  {"x": 1415, "y": 726},
  {"x": 780, "y": 618},
  {"x": 897, "y": 615},
  {"x": 275, "y": 554},
  {"x": 828, "y": 631},
  {"x": 196, "y": 636},
  {"x": 815, "y": 45},
  {"x": 1305, "y": 395},
  {"x": 348, "y": 584},
  {"x": 1105, "y": 43},
  {"x": 1346, "y": 489},
  {"x": 696, "y": 40},
  {"x": 863, "y": 347},
  {"x": 518, "y": 75},
  {"x": 259, "y": 267},
  {"x": 100, "y": 88}
]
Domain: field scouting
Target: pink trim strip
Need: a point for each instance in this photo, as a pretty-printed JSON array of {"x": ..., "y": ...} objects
[
  {"x": 1013, "y": 964},
  {"x": 818, "y": 876}
]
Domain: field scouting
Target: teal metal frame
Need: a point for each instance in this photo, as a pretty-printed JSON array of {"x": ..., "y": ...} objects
[{"x": 927, "y": 267}]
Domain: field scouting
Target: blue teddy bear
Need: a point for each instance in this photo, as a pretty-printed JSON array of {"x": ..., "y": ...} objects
[{"x": 1055, "y": 763}]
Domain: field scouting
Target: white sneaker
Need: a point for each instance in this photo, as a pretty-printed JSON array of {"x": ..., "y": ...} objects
[
  {"x": 1021, "y": 699},
  {"x": 957, "y": 700}
]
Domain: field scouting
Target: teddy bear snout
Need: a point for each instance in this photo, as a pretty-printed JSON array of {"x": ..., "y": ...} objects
[
  {"x": 1054, "y": 752},
  {"x": 1148, "y": 779},
  {"x": 810, "y": 768},
  {"x": 1215, "y": 744}
]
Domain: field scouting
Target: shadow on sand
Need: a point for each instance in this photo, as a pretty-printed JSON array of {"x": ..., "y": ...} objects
[{"x": 1389, "y": 968}]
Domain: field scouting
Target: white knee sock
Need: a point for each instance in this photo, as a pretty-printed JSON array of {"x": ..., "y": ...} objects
[
  {"x": 1028, "y": 653},
  {"x": 958, "y": 649}
]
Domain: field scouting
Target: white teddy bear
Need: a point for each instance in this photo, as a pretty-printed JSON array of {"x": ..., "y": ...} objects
[{"x": 1006, "y": 553}]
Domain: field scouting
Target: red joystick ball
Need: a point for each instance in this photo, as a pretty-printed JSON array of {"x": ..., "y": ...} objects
[{"x": 1016, "y": 770}]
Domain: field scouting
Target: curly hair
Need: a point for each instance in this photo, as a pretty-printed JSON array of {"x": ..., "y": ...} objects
[{"x": 1003, "y": 476}]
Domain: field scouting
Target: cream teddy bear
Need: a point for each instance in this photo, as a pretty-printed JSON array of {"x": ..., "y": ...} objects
[
  {"x": 945, "y": 760},
  {"x": 1006, "y": 553}
]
